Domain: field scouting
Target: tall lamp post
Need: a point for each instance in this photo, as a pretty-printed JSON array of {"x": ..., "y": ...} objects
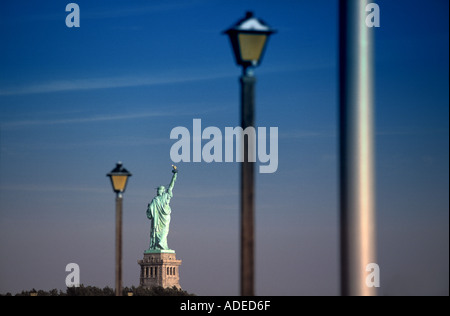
[
  {"x": 248, "y": 39},
  {"x": 119, "y": 178},
  {"x": 357, "y": 165}
]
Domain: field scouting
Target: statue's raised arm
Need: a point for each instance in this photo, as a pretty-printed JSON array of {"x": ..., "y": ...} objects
[{"x": 174, "y": 178}]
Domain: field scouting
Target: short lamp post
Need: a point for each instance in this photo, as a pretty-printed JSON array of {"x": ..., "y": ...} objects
[
  {"x": 119, "y": 178},
  {"x": 248, "y": 37}
]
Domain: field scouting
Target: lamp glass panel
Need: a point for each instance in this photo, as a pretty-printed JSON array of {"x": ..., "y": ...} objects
[
  {"x": 251, "y": 46},
  {"x": 119, "y": 182}
]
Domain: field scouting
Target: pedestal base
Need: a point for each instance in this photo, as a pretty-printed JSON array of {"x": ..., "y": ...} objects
[
  {"x": 160, "y": 268},
  {"x": 159, "y": 251}
]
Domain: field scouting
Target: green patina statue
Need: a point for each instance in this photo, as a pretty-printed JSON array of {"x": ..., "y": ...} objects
[{"x": 158, "y": 211}]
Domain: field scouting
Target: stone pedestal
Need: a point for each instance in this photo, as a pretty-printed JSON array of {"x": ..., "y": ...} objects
[{"x": 160, "y": 268}]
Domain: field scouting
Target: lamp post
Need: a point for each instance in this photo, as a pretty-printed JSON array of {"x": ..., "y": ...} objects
[
  {"x": 119, "y": 178},
  {"x": 248, "y": 39},
  {"x": 357, "y": 166}
]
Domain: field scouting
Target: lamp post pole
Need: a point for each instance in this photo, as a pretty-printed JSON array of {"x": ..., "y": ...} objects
[
  {"x": 248, "y": 39},
  {"x": 119, "y": 205},
  {"x": 247, "y": 188},
  {"x": 357, "y": 210},
  {"x": 119, "y": 178}
]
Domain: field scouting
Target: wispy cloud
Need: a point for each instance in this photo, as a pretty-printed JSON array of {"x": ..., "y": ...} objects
[
  {"x": 92, "y": 119},
  {"x": 168, "y": 112},
  {"x": 183, "y": 76},
  {"x": 44, "y": 188},
  {"x": 95, "y": 144},
  {"x": 110, "y": 11},
  {"x": 298, "y": 134},
  {"x": 136, "y": 10},
  {"x": 106, "y": 83}
]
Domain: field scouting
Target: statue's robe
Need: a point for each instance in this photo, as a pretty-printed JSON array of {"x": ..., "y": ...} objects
[{"x": 158, "y": 212}]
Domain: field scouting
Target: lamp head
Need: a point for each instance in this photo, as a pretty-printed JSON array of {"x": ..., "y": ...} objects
[
  {"x": 119, "y": 178},
  {"x": 248, "y": 39}
]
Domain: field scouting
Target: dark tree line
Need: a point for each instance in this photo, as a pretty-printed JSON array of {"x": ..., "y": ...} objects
[{"x": 106, "y": 291}]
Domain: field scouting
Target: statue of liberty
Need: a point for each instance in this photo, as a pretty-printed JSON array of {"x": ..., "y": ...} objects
[{"x": 158, "y": 211}]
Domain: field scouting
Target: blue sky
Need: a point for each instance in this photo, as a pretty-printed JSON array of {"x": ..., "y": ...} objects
[{"x": 75, "y": 101}]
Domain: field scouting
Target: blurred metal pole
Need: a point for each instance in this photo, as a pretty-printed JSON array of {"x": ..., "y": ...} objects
[
  {"x": 247, "y": 189},
  {"x": 119, "y": 203},
  {"x": 357, "y": 210}
]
